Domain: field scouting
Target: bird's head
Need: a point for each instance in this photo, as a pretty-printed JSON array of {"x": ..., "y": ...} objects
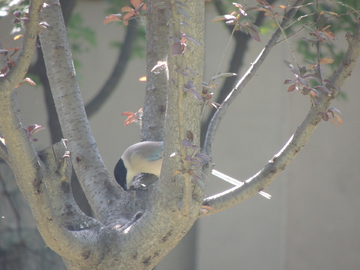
[{"x": 120, "y": 173}]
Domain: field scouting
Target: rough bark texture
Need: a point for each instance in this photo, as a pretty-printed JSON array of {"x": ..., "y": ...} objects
[{"x": 157, "y": 74}]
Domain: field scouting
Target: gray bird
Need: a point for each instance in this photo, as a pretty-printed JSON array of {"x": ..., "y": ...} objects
[
  {"x": 147, "y": 157},
  {"x": 142, "y": 157}
]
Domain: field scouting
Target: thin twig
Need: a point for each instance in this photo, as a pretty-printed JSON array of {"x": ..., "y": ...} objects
[
  {"x": 244, "y": 80},
  {"x": 17, "y": 74}
]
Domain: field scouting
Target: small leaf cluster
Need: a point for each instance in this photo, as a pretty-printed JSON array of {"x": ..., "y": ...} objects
[
  {"x": 207, "y": 87},
  {"x": 10, "y": 62},
  {"x": 331, "y": 115},
  {"x": 179, "y": 46},
  {"x": 340, "y": 15},
  {"x": 133, "y": 117},
  {"x": 242, "y": 21},
  {"x": 302, "y": 79},
  {"x": 131, "y": 13},
  {"x": 31, "y": 130},
  {"x": 195, "y": 159},
  {"x": 319, "y": 35}
]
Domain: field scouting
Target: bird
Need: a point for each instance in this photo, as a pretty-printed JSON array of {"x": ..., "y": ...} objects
[
  {"x": 147, "y": 157},
  {"x": 142, "y": 157}
]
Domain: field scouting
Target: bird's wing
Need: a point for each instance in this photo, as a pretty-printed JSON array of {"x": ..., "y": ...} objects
[{"x": 155, "y": 151}]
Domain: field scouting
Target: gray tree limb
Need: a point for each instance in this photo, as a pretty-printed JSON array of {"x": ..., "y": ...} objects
[
  {"x": 157, "y": 73},
  {"x": 85, "y": 156},
  {"x": 214, "y": 123}
]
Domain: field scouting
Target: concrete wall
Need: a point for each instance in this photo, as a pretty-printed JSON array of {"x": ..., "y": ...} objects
[{"x": 312, "y": 220}]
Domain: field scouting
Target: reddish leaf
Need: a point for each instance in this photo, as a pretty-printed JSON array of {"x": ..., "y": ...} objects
[
  {"x": 313, "y": 93},
  {"x": 338, "y": 118},
  {"x": 178, "y": 48},
  {"x": 127, "y": 9},
  {"x": 291, "y": 88},
  {"x": 334, "y": 122},
  {"x": 190, "y": 135},
  {"x": 17, "y": 37},
  {"x": 111, "y": 18},
  {"x": 34, "y": 128},
  {"x": 15, "y": 51},
  {"x": 30, "y": 81},
  {"x": 136, "y": 3},
  {"x": 254, "y": 34},
  {"x": 128, "y": 16},
  {"x": 326, "y": 60},
  {"x": 132, "y": 117}
]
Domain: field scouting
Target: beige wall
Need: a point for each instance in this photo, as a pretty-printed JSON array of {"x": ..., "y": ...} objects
[{"x": 312, "y": 220}]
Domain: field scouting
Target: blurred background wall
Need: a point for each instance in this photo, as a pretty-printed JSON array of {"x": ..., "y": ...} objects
[{"x": 312, "y": 220}]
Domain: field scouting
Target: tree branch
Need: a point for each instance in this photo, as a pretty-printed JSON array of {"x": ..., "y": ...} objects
[
  {"x": 29, "y": 171},
  {"x": 110, "y": 85},
  {"x": 157, "y": 73},
  {"x": 278, "y": 163},
  {"x": 56, "y": 159},
  {"x": 88, "y": 165},
  {"x": 214, "y": 123},
  {"x": 237, "y": 59},
  {"x": 16, "y": 75},
  {"x": 39, "y": 69}
]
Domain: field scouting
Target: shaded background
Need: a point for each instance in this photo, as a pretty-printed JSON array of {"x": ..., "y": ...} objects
[{"x": 312, "y": 220}]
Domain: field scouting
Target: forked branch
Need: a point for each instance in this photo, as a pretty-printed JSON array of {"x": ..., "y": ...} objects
[{"x": 278, "y": 163}]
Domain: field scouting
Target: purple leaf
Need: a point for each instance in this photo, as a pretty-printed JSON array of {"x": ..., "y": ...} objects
[
  {"x": 289, "y": 81},
  {"x": 189, "y": 69},
  {"x": 183, "y": 12},
  {"x": 323, "y": 88},
  {"x": 203, "y": 157},
  {"x": 177, "y": 49},
  {"x": 186, "y": 143},
  {"x": 197, "y": 95},
  {"x": 222, "y": 75},
  {"x": 191, "y": 39},
  {"x": 195, "y": 147},
  {"x": 190, "y": 85},
  {"x": 303, "y": 81}
]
